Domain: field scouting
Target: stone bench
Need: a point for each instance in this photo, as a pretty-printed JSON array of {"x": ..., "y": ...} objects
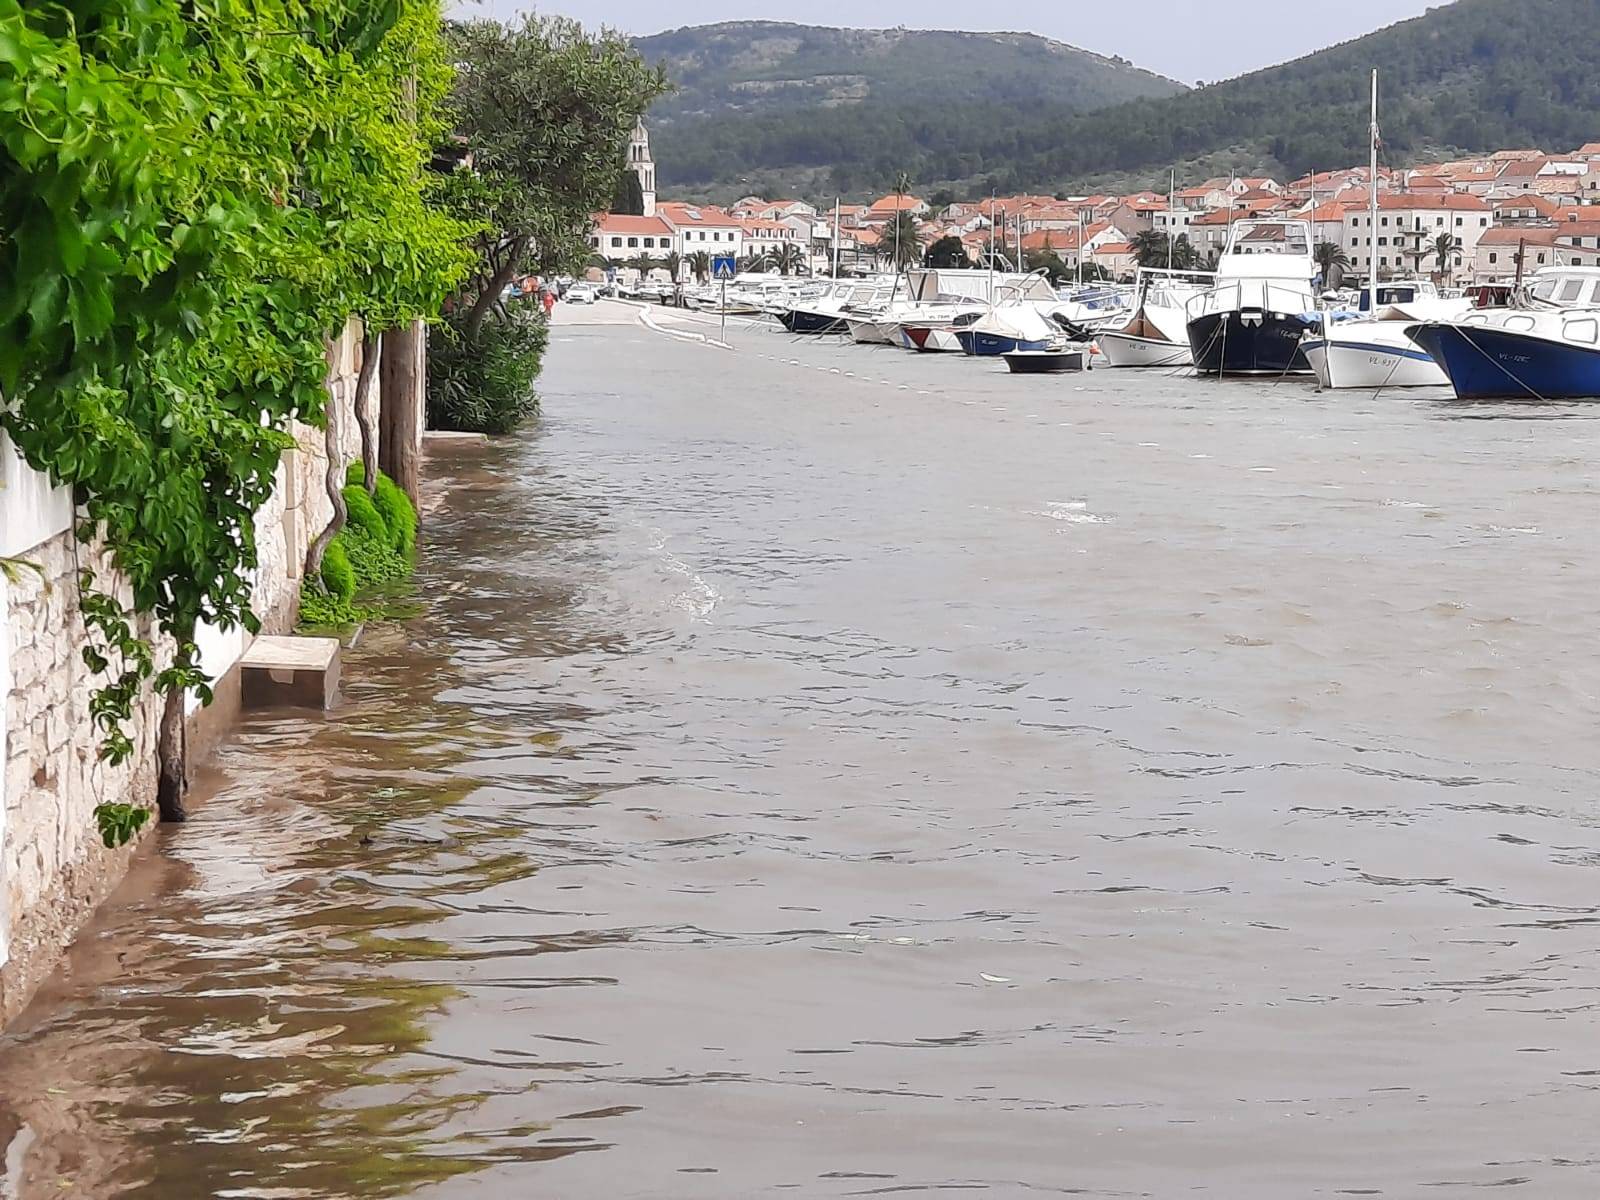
[{"x": 290, "y": 672}]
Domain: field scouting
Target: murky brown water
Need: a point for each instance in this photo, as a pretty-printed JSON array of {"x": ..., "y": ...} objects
[{"x": 801, "y": 784}]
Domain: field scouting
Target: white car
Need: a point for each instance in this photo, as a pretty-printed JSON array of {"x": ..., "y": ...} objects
[{"x": 581, "y": 294}]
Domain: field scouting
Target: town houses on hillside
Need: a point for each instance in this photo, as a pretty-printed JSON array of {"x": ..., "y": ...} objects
[{"x": 1471, "y": 221}]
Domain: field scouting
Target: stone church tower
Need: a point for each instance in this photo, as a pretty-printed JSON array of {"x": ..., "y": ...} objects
[{"x": 642, "y": 165}]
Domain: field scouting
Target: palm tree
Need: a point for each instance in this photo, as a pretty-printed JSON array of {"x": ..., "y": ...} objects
[
  {"x": 755, "y": 262},
  {"x": 902, "y": 185},
  {"x": 1334, "y": 262},
  {"x": 674, "y": 264},
  {"x": 901, "y": 242},
  {"x": 644, "y": 264},
  {"x": 700, "y": 264},
  {"x": 790, "y": 259},
  {"x": 1150, "y": 248},
  {"x": 1444, "y": 248}
]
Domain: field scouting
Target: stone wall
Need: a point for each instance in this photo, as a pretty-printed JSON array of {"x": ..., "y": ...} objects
[{"x": 53, "y": 869}]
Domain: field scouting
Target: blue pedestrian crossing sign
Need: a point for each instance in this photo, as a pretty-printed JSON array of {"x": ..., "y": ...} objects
[{"x": 724, "y": 266}]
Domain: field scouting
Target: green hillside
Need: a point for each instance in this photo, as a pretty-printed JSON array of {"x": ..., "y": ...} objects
[
  {"x": 1477, "y": 75},
  {"x": 759, "y": 95}
]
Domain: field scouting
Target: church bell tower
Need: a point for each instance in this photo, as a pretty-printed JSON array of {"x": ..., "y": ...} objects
[{"x": 642, "y": 165}]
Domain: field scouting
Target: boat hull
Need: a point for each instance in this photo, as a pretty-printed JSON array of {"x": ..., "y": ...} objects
[
  {"x": 1247, "y": 342},
  {"x": 1126, "y": 350},
  {"x": 992, "y": 345},
  {"x": 1371, "y": 365},
  {"x": 871, "y": 333},
  {"x": 799, "y": 320},
  {"x": 1485, "y": 363},
  {"x": 1047, "y": 362}
]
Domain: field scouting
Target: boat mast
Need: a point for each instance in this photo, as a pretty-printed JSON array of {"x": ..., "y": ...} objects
[
  {"x": 1080, "y": 246},
  {"x": 836, "y": 237},
  {"x": 1372, "y": 218},
  {"x": 991, "y": 249},
  {"x": 1172, "y": 224}
]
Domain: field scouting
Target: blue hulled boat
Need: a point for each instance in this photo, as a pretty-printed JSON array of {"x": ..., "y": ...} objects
[{"x": 1548, "y": 348}]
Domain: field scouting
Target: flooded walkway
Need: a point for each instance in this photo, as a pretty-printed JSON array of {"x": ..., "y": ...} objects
[{"x": 824, "y": 771}]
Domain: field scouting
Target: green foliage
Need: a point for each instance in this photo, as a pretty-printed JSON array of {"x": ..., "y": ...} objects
[
  {"x": 899, "y": 243},
  {"x": 119, "y": 823},
  {"x": 338, "y": 574},
  {"x": 1332, "y": 261},
  {"x": 192, "y": 199},
  {"x": 1476, "y": 75},
  {"x": 1152, "y": 248},
  {"x": 393, "y": 505},
  {"x": 547, "y": 110},
  {"x": 628, "y": 199},
  {"x": 373, "y": 549},
  {"x": 947, "y": 253},
  {"x": 486, "y": 388}
]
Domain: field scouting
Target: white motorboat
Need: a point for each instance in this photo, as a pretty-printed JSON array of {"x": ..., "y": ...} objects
[{"x": 1371, "y": 349}]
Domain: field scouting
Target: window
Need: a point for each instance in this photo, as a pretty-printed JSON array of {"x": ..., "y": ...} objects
[
  {"x": 1383, "y": 241},
  {"x": 616, "y": 243},
  {"x": 1383, "y": 262},
  {"x": 1570, "y": 290},
  {"x": 1519, "y": 322},
  {"x": 1586, "y": 330},
  {"x": 1577, "y": 260},
  {"x": 1493, "y": 257},
  {"x": 715, "y": 236},
  {"x": 1458, "y": 222},
  {"x": 1438, "y": 221},
  {"x": 1483, "y": 222},
  {"x": 633, "y": 243},
  {"x": 1385, "y": 222},
  {"x": 649, "y": 243}
]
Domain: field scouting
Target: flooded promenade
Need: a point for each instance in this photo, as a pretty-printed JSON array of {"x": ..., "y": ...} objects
[{"x": 815, "y": 770}]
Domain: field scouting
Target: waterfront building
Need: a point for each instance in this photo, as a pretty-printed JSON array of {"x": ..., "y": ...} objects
[
  {"x": 1495, "y": 257},
  {"x": 1408, "y": 226}
]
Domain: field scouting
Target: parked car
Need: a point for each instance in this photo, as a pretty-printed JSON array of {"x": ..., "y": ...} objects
[{"x": 581, "y": 293}]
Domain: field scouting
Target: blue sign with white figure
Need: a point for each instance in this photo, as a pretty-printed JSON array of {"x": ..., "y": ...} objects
[{"x": 724, "y": 266}]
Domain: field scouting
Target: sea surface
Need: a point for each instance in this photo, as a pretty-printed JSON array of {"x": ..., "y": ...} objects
[{"x": 821, "y": 771}]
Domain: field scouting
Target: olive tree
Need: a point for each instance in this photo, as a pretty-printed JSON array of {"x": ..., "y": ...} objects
[{"x": 543, "y": 109}]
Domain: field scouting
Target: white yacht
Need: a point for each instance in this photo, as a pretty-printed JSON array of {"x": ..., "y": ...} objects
[{"x": 1252, "y": 320}]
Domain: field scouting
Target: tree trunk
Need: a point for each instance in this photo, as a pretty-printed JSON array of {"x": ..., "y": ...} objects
[
  {"x": 334, "y": 482},
  {"x": 371, "y": 344},
  {"x": 400, "y": 411},
  {"x": 172, "y": 760},
  {"x": 497, "y": 282}
]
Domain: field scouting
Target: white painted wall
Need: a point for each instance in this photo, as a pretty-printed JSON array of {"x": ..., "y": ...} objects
[
  {"x": 5, "y": 757},
  {"x": 32, "y": 509}
]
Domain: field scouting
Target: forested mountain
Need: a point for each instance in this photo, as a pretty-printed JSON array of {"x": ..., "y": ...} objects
[
  {"x": 1476, "y": 75},
  {"x": 752, "y": 95}
]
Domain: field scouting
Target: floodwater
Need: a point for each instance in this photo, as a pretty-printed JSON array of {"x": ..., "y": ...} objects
[{"x": 824, "y": 771}]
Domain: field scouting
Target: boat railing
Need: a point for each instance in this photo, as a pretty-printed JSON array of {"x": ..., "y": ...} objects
[{"x": 1265, "y": 294}]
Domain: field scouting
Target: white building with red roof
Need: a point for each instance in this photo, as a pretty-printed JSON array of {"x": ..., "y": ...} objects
[
  {"x": 1408, "y": 227},
  {"x": 618, "y": 238}
]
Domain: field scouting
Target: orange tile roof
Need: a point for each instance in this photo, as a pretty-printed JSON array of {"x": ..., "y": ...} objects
[
  {"x": 1406, "y": 201},
  {"x": 625, "y": 224},
  {"x": 889, "y": 204}
]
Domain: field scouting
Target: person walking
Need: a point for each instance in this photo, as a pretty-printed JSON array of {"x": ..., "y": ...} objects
[{"x": 548, "y": 297}]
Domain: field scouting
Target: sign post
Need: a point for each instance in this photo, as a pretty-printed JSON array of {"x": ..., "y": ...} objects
[{"x": 723, "y": 268}]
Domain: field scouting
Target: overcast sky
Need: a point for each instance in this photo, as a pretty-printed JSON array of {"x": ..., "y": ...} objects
[{"x": 1186, "y": 39}]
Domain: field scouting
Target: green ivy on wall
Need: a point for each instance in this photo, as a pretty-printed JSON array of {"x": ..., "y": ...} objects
[{"x": 193, "y": 199}]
